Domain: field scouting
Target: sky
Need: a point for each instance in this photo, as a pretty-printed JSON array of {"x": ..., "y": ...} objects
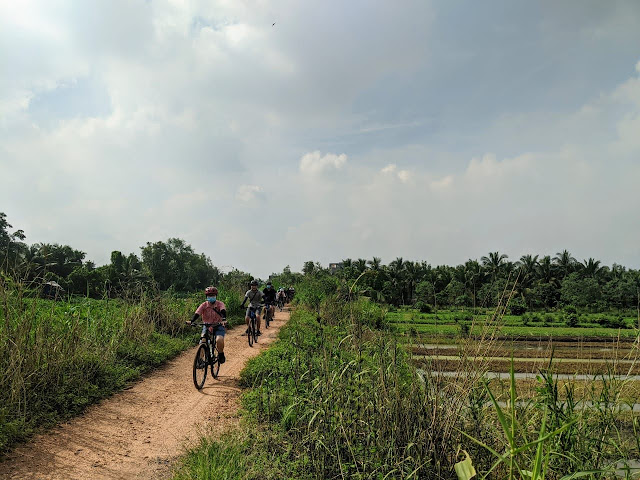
[{"x": 269, "y": 133}]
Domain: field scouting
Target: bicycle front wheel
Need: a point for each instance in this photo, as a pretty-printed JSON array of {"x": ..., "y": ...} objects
[
  {"x": 250, "y": 334},
  {"x": 215, "y": 364},
  {"x": 200, "y": 364}
]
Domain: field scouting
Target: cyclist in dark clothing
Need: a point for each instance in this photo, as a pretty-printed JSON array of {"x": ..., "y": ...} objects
[{"x": 269, "y": 299}]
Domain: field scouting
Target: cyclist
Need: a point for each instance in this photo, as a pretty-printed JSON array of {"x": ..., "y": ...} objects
[
  {"x": 214, "y": 318},
  {"x": 281, "y": 297},
  {"x": 290, "y": 293},
  {"x": 254, "y": 296},
  {"x": 269, "y": 295}
]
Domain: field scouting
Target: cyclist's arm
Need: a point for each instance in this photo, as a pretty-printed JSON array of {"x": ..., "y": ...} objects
[{"x": 195, "y": 317}]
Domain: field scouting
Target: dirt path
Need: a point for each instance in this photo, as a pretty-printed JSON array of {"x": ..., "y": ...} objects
[{"x": 138, "y": 433}]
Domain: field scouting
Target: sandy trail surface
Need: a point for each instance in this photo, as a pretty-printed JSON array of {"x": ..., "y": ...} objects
[{"x": 138, "y": 433}]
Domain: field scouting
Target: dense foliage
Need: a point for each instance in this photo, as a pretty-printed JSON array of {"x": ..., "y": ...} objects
[
  {"x": 171, "y": 265},
  {"x": 538, "y": 282}
]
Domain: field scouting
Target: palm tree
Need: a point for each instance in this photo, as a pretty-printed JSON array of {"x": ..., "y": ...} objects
[
  {"x": 396, "y": 272},
  {"x": 546, "y": 271},
  {"x": 375, "y": 263},
  {"x": 527, "y": 266},
  {"x": 360, "y": 265},
  {"x": 494, "y": 263},
  {"x": 591, "y": 268},
  {"x": 412, "y": 272},
  {"x": 565, "y": 262},
  {"x": 472, "y": 278}
]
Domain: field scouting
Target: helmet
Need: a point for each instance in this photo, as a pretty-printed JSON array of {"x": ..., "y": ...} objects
[
  {"x": 209, "y": 291},
  {"x": 269, "y": 284},
  {"x": 254, "y": 282}
]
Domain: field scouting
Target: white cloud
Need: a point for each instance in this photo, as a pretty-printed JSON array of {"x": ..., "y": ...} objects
[
  {"x": 211, "y": 105},
  {"x": 392, "y": 169},
  {"x": 442, "y": 184},
  {"x": 247, "y": 193},
  {"x": 389, "y": 169},
  {"x": 314, "y": 163}
]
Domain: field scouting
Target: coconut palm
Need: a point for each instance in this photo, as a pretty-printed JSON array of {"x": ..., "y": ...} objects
[
  {"x": 546, "y": 270},
  {"x": 591, "y": 268},
  {"x": 375, "y": 264},
  {"x": 360, "y": 265},
  {"x": 565, "y": 262},
  {"x": 494, "y": 263}
]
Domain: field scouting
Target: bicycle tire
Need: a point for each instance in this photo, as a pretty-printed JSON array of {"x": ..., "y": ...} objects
[
  {"x": 267, "y": 319},
  {"x": 200, "y": 364},
  {"x": 250, "y": 333},
  {"x": 255, "y": 332},
  {"x": 215, "y": 363}
]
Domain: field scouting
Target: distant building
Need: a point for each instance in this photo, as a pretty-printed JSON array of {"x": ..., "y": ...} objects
[
  {"x": 334, "y": 267},
  {"x": 52, "y": 290}
]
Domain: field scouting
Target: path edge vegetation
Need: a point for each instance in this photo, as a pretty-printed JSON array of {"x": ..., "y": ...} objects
[{"x": 337, "y": 397}]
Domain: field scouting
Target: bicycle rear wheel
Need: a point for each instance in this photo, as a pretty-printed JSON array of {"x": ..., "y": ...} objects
[{"x": 200, "y": 364}]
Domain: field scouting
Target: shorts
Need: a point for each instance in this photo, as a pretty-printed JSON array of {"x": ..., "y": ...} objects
[
  {"x": 218, "y": 330},
  {"x": 248, "y": 314}
]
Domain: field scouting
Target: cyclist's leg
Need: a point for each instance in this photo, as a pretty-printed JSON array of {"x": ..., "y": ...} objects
[
  {"x": 203, "y": 335},
  {"x": 247, "y": 317},
  {"x": 220, "y": 333}
]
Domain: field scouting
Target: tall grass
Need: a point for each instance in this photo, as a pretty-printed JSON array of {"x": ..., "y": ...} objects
[
  {"x": 57, "y": 357},
  {"x": 336, "y": 397}
]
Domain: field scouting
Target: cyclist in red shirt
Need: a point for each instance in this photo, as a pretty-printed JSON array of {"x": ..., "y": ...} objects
[{"x": 214, "y": 318}]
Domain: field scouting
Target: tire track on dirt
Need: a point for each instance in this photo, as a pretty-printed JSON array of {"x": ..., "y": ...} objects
[{"x": 140, "y": 432}]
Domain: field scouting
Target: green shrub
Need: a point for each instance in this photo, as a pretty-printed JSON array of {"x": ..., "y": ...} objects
[
  {"x": 517, "y": 306},
  {"x": 423, "y": 307}
]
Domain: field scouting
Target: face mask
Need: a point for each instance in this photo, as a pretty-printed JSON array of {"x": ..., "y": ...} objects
[{"x": 211, "y": 299}]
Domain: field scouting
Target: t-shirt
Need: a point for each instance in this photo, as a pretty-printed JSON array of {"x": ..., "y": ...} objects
[
  {"x": 205, "y": 310},
  {"x": 255, "y": 298},
  {"x": 269, "y": 295}
]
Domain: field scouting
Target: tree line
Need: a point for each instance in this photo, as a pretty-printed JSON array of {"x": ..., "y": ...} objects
[
  {"x": 537, "y": 282},
  {"x": 171, "y": 265}
]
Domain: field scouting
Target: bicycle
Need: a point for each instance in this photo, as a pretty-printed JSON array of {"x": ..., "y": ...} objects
[
  {"x": 252, "y": 331},
  {"x": 280, "y": 303},
  {"x": 268, "y": 315},
  {"x": 206, "y": 356}
]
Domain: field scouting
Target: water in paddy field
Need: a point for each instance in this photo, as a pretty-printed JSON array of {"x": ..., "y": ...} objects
[{"x": 533, "y": 376}]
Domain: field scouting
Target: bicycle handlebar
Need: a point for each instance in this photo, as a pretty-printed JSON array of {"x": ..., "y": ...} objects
[{"x": 202, "y": 324}]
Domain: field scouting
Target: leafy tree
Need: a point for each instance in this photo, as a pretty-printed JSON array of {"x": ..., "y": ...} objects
[
  {"x": 580, "y": 291},
  {"x": 11, "y": 245},
  {"x": 175, "y": 265}
]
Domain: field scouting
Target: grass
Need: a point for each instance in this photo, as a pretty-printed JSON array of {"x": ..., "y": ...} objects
[
  {"x": 58, "y": 357},
  {"x": 452, "y": 330},
  {"x": 335, "y": 397}
]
